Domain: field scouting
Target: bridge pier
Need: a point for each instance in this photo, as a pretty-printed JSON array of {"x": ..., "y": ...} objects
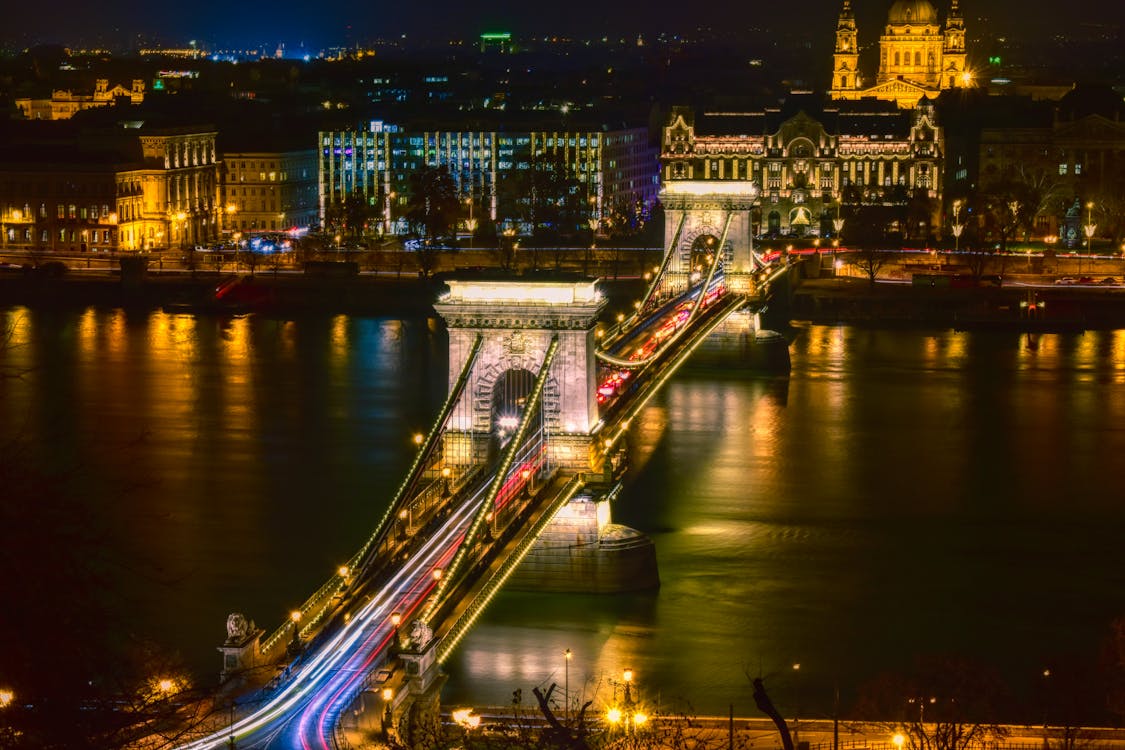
[
  {"x": 741, "y": 343},
  {"x": 582, "y": 551}
]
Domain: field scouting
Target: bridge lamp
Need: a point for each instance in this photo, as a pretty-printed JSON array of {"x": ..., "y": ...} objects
[
  {"x": 627, "y": 675},
  {"x": 639, "y": 718},
  {"x": 418, "y": 438},
  {"x": 898, "y": 741},
  {"x": 343, "y": 571},
  {"x": 613, "y": 716},
  {"x": 388, "y": 695},
  {"x": 437, "y": 574},
  {"x": 620, "y": 317}
]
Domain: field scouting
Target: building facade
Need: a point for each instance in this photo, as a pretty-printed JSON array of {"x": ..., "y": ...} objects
[
  {"x": 1067, "y": 168},
  {"x": 810, "y": 170},
  {"x": 64, "y": 104},
  {"x": 918, "y": 55},
  {"x": 269, "y": 191},
  {"x": 127, "y": 189},
  {"x": 610, "y": 169}
]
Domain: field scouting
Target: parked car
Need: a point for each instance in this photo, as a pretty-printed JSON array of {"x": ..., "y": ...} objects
[
  {"x": 1066, "y": 280},
  {"x": 1108, "y": 281}
]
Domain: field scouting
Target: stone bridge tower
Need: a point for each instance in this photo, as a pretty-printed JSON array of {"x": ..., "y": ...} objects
[{"x": 518, "y": 319}]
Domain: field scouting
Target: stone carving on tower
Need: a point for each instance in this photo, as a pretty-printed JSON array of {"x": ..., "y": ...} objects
[{"x": 918, "y": 56}]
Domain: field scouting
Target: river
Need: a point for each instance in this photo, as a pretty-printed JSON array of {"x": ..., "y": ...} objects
[{"x": 903, "y": 492}]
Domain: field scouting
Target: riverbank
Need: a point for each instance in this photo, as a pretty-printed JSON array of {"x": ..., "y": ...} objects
[
  {"x": 268, "y": 292},
  {"x": 1026, "y": 305}
]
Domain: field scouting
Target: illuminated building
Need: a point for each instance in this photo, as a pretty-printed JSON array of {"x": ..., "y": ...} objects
[
  {"x": 1064, "y": 154},
  {"x": 267, "y": 191},
  {"x": 849, "y": 156},
  {"x": 613, "y": 170},
  {"x": 64, "y": 104},
  {"x": 126, "y": 188},
  {"x": 918, "y": 57}
]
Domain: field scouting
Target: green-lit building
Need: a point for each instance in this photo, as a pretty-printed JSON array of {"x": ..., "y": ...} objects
[{"x": 606, "y": 171}]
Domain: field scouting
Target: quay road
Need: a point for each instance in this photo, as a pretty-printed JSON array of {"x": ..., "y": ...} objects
[
  {"x": 676, "y": 731},
  {"x": 302, "y": 712}
]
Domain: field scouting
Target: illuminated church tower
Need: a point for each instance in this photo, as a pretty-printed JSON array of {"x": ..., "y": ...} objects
[
  {"x": 917, "y": 56},
  {"x": 845, "y": 68}
]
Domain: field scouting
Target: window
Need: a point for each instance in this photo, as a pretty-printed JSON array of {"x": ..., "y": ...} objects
[
  {"x": 62, "y": 211},
  {"x": 1062, "y": 168},
  {"x": 1077, "y": 169}
]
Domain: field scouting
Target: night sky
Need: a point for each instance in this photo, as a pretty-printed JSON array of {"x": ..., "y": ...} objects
[{"x": 225, "y": 23}]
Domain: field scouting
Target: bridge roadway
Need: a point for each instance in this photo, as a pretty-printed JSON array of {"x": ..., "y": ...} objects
[{"x": 303, "y": 710}]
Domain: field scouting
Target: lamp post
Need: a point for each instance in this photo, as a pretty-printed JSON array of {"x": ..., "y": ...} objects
[
  {"x": 566, "y": 685},
  {"x": 388, "y": 696},
  {"x": 838, "y": 225},
  {"x": 470, "y": 223},
  {"x": 1046, "y": 686},
  {"x": 797, "y": 704},
  {"x": 593, "y": 223},
  {"x": 295, "y": 644},
  {"x": 1089, "y": 229},
  {"x": 957, "y": 226},
  {"x": 181, "y": 227},
  {"x": 396, "y": 620}
]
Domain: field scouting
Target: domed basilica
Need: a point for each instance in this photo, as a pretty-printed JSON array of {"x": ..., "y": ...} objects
[{"x": 917, "y": 56}]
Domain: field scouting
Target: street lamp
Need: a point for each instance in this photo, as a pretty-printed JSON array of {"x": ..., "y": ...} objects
[
  {"x": 1090, "y": 227},
  {"x": 396, "y": 620},
  {"x": 388, "y": 696},
  {"x": 6, "y": 697},
  {"x": 471, "y": 223},
  {"x": 181, "y": 225},
  {"x": 797, "y": 706},
  {"x": 838, "y": 225},
  {"x": 295, "y": 618},
  {"x": 566, "y": 684},
  {"x": 957, "y": 227}
]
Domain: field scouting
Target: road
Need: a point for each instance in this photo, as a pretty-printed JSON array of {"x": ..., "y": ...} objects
[{"x": 301, "y": 713}]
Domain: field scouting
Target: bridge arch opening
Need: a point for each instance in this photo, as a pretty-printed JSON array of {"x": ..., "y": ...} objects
[
  {"x": 510, "y": 393},
  {"x": 702, "y": 253}
]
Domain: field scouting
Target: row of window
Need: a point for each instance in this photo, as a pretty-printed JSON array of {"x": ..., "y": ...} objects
[{"x": 92, "y": 236}]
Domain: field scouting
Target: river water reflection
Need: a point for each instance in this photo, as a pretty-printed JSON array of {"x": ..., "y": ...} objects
[{"x": 902, "y": 493}]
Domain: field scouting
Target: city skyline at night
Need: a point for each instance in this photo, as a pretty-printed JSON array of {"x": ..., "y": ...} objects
[{"x": 298, "y": 25}]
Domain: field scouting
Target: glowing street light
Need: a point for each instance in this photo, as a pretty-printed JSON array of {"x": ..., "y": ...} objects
[
  {"x": 6, "y": 697},
  {"x": 898, "y": 741}
]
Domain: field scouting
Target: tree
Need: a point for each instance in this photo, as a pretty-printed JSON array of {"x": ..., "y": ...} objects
[
  {"x": 869, "y": 261},
  {"x": 944, "y": 703},
  {"x": 433, "y": 206},
  {"x": 351, "y": 216}
]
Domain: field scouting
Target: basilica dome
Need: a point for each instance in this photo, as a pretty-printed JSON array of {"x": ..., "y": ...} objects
[{"x": 912, "y": 11}]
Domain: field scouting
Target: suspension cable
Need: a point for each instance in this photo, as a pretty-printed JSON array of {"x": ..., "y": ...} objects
[
  {"x": 498, "y": 481},
  {"x": 421, "y": 460}
]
